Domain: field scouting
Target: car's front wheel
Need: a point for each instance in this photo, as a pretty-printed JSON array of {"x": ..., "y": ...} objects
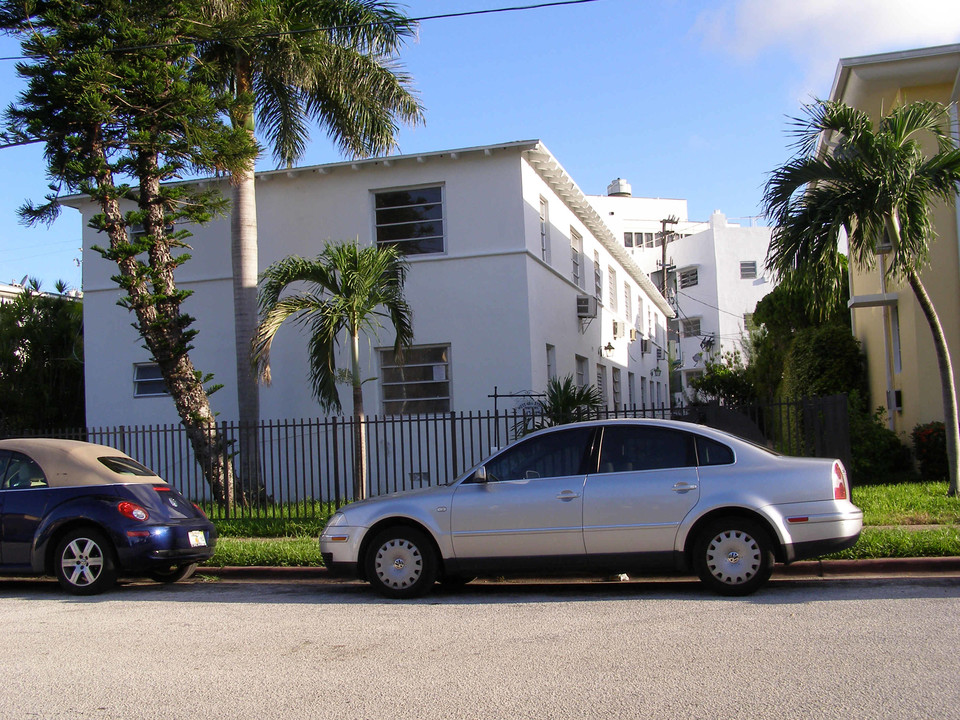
[
  {"x": 401, "y": 563},
  {"x": 172, "y": 574},
  {"x": 84, "y": 562},
  {"x": 733, "y": 556}
]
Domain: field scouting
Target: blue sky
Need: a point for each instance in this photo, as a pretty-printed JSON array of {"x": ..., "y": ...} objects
[{"x": 683, "y": 98}]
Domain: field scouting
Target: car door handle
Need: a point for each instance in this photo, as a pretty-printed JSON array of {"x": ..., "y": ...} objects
[
  {"x": 568, "y": 495},
  {"x": 683, "y": 487}
]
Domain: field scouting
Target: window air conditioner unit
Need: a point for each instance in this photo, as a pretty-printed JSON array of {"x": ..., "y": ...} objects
[
  {"x": 586, "y": 306},
  {"x": 633, "y": 334}
]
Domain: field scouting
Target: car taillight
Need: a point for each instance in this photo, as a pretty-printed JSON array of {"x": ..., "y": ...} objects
[
  {"x": 133, "y": 511},
  {"x": 200, "y": 510},
  {"x": 840, "y": 491}
]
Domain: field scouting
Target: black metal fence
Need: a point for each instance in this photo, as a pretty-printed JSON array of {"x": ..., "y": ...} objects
[{"x": 303, "y": 463}]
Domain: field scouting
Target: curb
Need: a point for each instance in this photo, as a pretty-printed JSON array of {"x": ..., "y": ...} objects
[{"x": 890, "y": 567}]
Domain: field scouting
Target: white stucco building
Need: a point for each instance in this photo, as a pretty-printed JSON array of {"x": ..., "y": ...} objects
[
  {"x": 514, "y": 278},
  {"x": 715, "y": 272}
]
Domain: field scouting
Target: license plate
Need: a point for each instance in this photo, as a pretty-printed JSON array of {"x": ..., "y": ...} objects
[{"x": 197, "y": 538}]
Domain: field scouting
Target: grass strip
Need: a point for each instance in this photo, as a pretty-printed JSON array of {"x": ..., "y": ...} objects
[{"x": 873, "y": 543}]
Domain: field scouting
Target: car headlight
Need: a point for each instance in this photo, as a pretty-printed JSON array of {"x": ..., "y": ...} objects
[{"x": 337, "y": 519}]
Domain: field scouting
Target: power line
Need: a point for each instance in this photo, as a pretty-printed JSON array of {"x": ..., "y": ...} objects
[{"x": 424, "y": 18}]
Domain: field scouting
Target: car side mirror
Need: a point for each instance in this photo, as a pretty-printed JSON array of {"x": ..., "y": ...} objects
[{"x": 480, "y": 475}]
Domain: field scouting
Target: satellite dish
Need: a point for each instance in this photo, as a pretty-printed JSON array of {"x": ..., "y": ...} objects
[{"x": 23, "y": 280}]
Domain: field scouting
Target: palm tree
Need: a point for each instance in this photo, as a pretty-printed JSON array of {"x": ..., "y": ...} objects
[
  {"x": 330, "y": 62},
  {"x": 349, "y": 289},
  {"x": 878, "y": 186},
  {"x": 564, "y": 402}
]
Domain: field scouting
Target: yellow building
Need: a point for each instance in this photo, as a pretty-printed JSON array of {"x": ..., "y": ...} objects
[{"x": 901, "y": 360}]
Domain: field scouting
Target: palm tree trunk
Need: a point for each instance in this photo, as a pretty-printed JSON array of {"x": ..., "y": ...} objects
[
  {"x": 359, "y": 421},
  {"x": 947, "y": 388},
  {"x": 243, "y": 231},
  {"x": 244, "y": 257}
]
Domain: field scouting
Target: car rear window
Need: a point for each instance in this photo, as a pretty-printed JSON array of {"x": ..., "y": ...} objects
[
  {"x": 126, "y": 466},
  {"x": 711, "y": 452}
]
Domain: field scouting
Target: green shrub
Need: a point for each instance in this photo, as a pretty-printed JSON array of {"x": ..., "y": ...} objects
[
  {"x": 930, "y": 449},
  {"x": 878, "y": 454}
]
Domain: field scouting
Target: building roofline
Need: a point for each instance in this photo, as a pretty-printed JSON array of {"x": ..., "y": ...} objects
[
  {"x": 552, "y": 172},
  {"x": 536, "y": 154},
  {"x": 847, "y": 66}
]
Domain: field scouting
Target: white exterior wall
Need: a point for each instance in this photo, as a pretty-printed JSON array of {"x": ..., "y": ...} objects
[
  {"x": 720, "y": 298},
  {"x": 489, "y": 296}
]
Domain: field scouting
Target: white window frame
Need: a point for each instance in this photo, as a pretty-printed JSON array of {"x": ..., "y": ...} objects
[
  {"x": 402, "y": 244},
  {"x": 387, "y": 363},
  {"x": 147, "y": 381},
  {"x": 612, "y": 290},
  {"x": 597, "y": 278},
  {"x": 691, "y": 327},
  {"x": 545, "y": 230},
  {"x": 748, "y": 269},
  {"x": 576, "y": 252},
  {"x": 583, "y": 370},
  {"x": 688, "y": 277}
]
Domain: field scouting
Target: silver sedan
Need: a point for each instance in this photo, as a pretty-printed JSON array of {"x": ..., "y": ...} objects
[{"x": 605, "y": 497}]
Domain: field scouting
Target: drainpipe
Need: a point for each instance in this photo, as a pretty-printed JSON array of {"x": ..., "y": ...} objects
[{"x": 887, "y": 359}]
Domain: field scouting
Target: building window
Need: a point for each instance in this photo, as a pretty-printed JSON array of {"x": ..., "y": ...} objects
[
  {"x": 421, "y": 384},
  {"x": 615, "y": 383},
  {"x": 643, "y": 392},
  {"x": 551, "y": 362},
  {"x": 628, "y": 239},
  {"x": 689, "y": 277},
  {"x": 748, "y": 270},
  {"x": 628, "y": 302},
  {"x": 631, "y": 389},
  {"x": 544, "y": 231},
  {"x": 602, "y": 382},
  {"x": 648, "y": 240},
  {"x": 582, "y": 371},
  {"x": 576, "y": 253},
  {"x": 410, "y": 220},
  {"x": 597, "y": 278},
  {"x": 689, "y": 377},
  {"x": 690, "y": 327},
  {"x": 612, "y": 287},
  {"x": 147, "y": 381}
]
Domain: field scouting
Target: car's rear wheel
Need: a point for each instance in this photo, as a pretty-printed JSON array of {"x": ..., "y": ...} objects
[
  {"x": 84, "y": 562},
  {"x": 172, "y": 574},
  {"x": 733, "y": 556},
  {"x": 401, "y": 563}
]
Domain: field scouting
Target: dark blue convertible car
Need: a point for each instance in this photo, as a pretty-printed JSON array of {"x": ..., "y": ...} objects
[{"x": 88, "y": 514}]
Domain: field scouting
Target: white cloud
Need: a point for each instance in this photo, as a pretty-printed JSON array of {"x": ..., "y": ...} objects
[{"x": 817, "y": 33}]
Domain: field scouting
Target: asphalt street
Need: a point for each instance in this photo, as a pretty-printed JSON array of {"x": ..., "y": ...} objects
[{"x": 266, "y": 647}]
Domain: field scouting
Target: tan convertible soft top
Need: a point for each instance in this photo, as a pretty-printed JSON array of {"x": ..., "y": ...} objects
[{"x": 72, "y": 462}]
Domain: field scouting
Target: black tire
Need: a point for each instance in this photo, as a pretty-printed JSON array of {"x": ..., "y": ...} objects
[
  {"x": 401, "y": 563},
  {"x": 733, "y": 556},
  {"x": 84, "y": 562},
  {"x": 172, "y": 574}
]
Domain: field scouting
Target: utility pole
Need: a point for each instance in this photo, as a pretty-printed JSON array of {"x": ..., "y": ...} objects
[{"x": 669, "y": 220}]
